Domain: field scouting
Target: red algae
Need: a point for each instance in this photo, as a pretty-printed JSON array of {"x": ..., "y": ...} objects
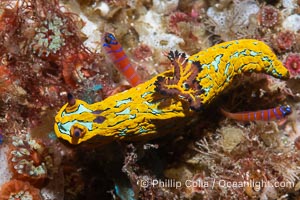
[{"x": 42, "y": 57}]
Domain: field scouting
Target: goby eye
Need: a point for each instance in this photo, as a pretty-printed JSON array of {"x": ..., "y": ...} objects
[{"x": 109, "y": 39}]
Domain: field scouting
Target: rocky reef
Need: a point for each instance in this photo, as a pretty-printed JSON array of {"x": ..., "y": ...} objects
[{"x": 50, "y": 48}]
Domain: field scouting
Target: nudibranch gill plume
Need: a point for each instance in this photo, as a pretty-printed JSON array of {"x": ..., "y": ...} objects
[{"x": 168, "y": 100}]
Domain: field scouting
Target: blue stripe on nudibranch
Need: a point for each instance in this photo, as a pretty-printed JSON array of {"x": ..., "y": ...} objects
[
  {"x": 80, "y": 109},
  {"x": 226, "y": 68},
  {"x": 123, "y": 101},
  {"x": 216, "y": 62}
]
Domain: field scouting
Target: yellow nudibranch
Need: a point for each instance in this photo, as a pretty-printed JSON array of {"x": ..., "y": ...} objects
[{"x": 169, "y": 99}]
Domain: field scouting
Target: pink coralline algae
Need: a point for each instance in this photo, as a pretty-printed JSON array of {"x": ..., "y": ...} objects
[
  {"x": 175, "y": 19},
  {"x": 268, "y": 16},
  {"x": 142, "y": 52},
  {"x": 292, "y": 63},
  {"x": 284, "y": 41}
]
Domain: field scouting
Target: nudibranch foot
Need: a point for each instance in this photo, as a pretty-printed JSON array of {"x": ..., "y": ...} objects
[{"x": 182, "y": 83}]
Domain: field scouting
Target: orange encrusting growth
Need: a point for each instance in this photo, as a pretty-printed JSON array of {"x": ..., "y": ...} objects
[
  {"x": 119, "y": 58},
  {"x": 16, "y": 189},
  {"x": 261, "y": 115}
]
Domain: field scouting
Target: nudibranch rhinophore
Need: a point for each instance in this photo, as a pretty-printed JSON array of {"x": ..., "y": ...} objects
[{"x": 166, "y": 101}]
